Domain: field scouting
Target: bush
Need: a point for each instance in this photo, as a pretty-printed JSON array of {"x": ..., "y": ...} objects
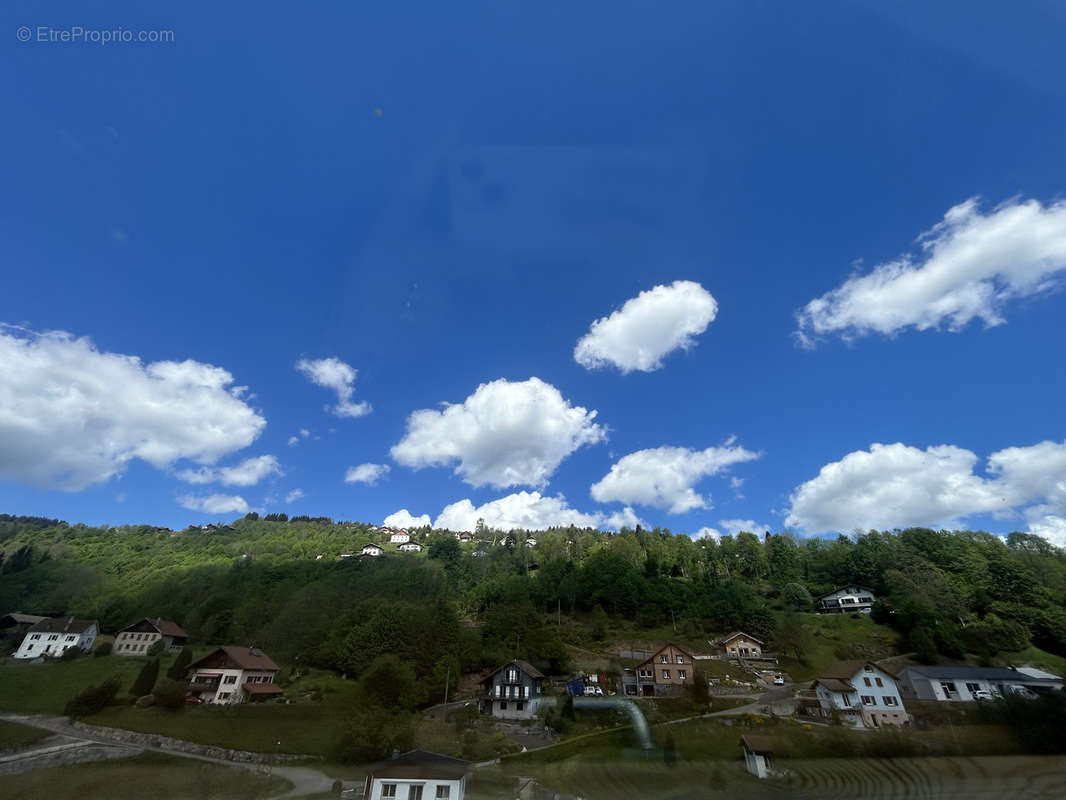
[
  {"x": 170, "y": 693},
  {"x": 93, "y": 699},
  {"x": 796, "y": 597},
  {"x": 102, "y": 649},
  {"x": 70, "y": 654}
]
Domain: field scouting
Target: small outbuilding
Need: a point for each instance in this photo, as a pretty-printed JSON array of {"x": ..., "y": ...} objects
[{"x": 758, "y": 754}]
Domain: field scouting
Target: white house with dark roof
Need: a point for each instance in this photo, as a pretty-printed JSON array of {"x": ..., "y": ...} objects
[
  {"x": 399, "y": 537},
  {"x": 138, "y": 638},
  {"x": 372, "y": 550},
  {"x": 513, "y": 691},
  {"x": 232, "y": 675},
  {"x": 849, "y": 599},
  {"x": 417, "y": 775},
  {"x": 863, "y": 693},
  {"x": 410, "y": 547},
  {"x": 53, "y": 637}
]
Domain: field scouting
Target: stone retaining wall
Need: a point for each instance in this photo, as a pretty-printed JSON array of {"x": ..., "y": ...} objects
[
  {"x": 63, "y": 758},
  {"x": 180, "y": 745}
]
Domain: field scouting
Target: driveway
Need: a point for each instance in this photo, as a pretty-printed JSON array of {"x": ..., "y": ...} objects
[{"x": 305, "y": 780}]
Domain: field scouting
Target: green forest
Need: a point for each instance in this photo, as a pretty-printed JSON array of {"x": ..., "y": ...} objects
[{"x": 280, "y": 584}]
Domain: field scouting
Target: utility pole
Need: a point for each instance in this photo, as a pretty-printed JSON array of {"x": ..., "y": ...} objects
[{"x": 447, "y": 682}]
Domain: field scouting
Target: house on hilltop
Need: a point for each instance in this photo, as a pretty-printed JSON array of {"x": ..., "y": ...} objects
[
  {"x": 399, "y": 537},
  {"x": 513, "y": 691},
  {"x": 232, "y": 675},
  {"x": 53, "y": 637},
  {"x": 138, "y": 638},
  {"x": 417, "y": 775},
  {"x": 864, "y": 693},
  {"x": 847, "y": 600},
  {"x": 410, "y": 547},
  {"x": 665, "y": 673},
  {"x": 372, "y": 550}
]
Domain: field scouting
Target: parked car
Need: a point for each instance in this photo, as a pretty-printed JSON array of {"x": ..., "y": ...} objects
[
  {"x": 982, "y": 695},
  {"x": 778, "y": 680}
]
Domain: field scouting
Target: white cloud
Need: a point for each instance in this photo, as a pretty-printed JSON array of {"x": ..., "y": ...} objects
[
  {"x": 971, "y": 264},
  {"x": 332, "y": 373},
  {"x": 504, "y": 434},
  {"x": 895, "y": 486},
  {"x": 294, "y": 495},
  {"x": 529, "y": 510},
  {"x": 72, "y": 415},
  {"x": 303, "y": 434},
  {"x": 366, "y": 473},
  {"x": 735, "y": 526},
  {"x": 248, "y": 473},
  {"x": 707, "y": 533},
  {"x": 214, "y": 504},
  {"x": 647, "y": 328},
  {"x": 404, "y": 519},
  {"x": 664, "y": 477}
]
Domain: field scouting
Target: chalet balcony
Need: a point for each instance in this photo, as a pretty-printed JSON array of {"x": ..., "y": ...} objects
[{"x": 205, "y": 685}]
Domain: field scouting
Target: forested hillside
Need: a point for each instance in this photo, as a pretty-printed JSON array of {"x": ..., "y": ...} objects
[{"x": 263, "y": 581}]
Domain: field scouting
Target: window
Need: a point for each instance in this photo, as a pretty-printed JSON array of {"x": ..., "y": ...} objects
[
  {"x": 224, "y": 696},
  {"x": 71, "y": 638},
  {"x": 664, "y": 659},
  {"x": 645, "y": 673},
  {"x": 230, "y": 679},
  {"x": 681, "y": 674},
  {"x": 889, "y": 700},
  {"x": 388, "y": 790},
  {"x": 503, "y": 705},
  {"x": 948, "y": 687},
  {"x": 680, "y": 659},
  {"x": 666, "y": 674},
  {"x": 847, "y": 700},
  {"x": 414, "y": 792},
  {"x": 868, "y": 668},
  {"x": 512, "y": 675},
  {"x": 499, "y": 690},
  {"x": 867, "y": 681},
  {"x": 519, "y": 706},
  {"x": 444, "y": 792},
  {"x": 972, "y": 687},
  {"x": 869, "y": 700},
  {"x": 879, "y": 682}
]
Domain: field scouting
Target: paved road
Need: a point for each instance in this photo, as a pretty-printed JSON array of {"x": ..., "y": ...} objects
[{"x": 305, "y": 780}]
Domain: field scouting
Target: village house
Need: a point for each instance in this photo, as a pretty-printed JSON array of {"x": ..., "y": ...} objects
[
  {"x": 231, "y": 675},
  {"x": 410, "y": 547},
  {"x": 964, "y": 684},
  {"x": 399, "y": 537},
  {"x": 666, "y": 673},
  {"x": 739, "y": 645},
  {"x": 138, "y": 638},
  {"x": 513, "y": 691},
  {"x": 758, "y": 754},
  {"x": 863, "y": 693},
  {"x": 464, "y": 536},
  {"x": 372, "y": 550},
  {"x": 53, "y": 637},
  {"x": 847, "y": 600},
  {"x": 417, "y": 775}
]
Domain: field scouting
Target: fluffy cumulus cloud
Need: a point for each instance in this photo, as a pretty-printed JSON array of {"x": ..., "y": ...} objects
[
  {"x": 405, "y": 519},
  {"x": 366, "y": 473},
  {"x": 970, "y": 265},
  {"x": 735, "y": 526},
  {"x": 247, "y": 473},
  {"x": 707, "y": 533},
  {"x": 529, "y": 510},
  {"x": 214, "y": 504},
  {"x": 334, "y": 374},
  {"x": 895, "y": 486},
  {"x": 647, "y": 328},
  {"x": 664, "y": 477},
  {"x": 72, "y": 415},
  {"x": 507, "y": 433},
  {"x": 294, "y": 495}
]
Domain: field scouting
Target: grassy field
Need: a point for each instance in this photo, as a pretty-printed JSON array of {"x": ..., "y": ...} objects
[
  {"x": 14, "y": 736},
  {"x": 155, "y": 776},
  {"x": 45, "y": 688},
  {"x": 837, "y": 636}
]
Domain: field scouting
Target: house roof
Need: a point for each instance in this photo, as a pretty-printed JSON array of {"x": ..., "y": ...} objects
[
  {"x": 378, "y": 546},
  {"x": 421, "y": 764},
  {"x": 525, "y": 666},
  {"x": 165, "y": 627},
  {"x": 734, "y": 635},
  {"x": 18, "y": 618},
  {"x": 846, "y": 670},
  {"x": 62, "y": 625},
  {"x": 834, "y": 685},
  {"x": 961, "y": 671},
  {"x": 243, "y": 657},
  {"x": 848, "y": 586},
  {"x": 758, "y": 743},
  {"x": 668, "y": 644}
]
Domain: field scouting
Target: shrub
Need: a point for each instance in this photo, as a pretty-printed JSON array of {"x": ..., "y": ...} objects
[
  {"x": 170, "y": 693},
  {"x": 93, "y": 699},
  {"x": 70, "y": 654},
  {"x": 102, "y": 649},
  {"x": 796, "y": 597},
  {"x": 146, "y": 679}
]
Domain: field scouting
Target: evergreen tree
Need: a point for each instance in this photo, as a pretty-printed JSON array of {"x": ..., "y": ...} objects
[
  {"x": 146, "y": 679},
  {"x": 180, "y": 666}
]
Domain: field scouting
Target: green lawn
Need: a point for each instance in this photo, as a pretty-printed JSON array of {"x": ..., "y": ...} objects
[
  {"x": 840, "y": 635},
  {"x": 155, "y": 776},
  {"x": 14, "y": 736},
  {"x": 45, "y": 688}
]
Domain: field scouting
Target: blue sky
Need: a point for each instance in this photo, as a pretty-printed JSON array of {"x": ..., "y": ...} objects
[{"x": 441, "y": 198}]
